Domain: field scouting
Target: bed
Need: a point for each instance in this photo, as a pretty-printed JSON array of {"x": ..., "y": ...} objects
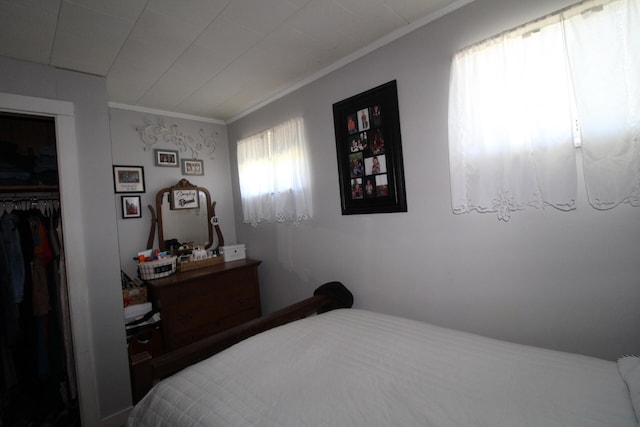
[{"x": 352, "y": 367}]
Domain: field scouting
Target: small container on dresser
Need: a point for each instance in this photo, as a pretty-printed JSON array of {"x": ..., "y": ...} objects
[
  {"x": 233, "y": 252},
  {"x": 197, "y": 303}
]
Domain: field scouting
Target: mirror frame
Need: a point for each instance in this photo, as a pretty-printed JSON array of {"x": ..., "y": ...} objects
[{"x": 212, "y": 221}]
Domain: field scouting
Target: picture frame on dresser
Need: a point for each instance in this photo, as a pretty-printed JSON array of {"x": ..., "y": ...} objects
[{"x": 184, "y": 198}]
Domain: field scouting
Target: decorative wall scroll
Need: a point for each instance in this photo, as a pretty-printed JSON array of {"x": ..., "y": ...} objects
[
  {"x": 152, "y": 132},
  {"x": 368, "y": 144}
]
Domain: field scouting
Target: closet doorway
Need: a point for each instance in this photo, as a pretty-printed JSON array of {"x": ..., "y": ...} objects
[
  {"x": 74, "y": 245},
  {"x": 38, "y": 371}
]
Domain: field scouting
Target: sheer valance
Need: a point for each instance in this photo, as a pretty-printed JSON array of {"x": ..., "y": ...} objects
[
  {"x": 521, "y": 102},
  {"x": 274, "y": 175}
]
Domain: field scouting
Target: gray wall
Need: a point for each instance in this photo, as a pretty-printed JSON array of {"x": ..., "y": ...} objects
[
  {"x": 107, "y": 341},
  {"x": 128, "y": 149},
  {"x": 559, "y": 280},
  {"x": 566, "y": 281}
]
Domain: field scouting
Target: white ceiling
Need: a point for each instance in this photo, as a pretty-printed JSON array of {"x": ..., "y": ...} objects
[{"x": 209, "y": 58}]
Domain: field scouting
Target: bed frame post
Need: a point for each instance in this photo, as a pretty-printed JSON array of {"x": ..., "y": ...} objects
[
  {"x": 141, "y": 374},
  {"x": 340, "y": 296}
]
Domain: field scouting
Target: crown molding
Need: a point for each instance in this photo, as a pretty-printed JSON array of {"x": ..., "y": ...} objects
[{"x": 165, "y": 113}]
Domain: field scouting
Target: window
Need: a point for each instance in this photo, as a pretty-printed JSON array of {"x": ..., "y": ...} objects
[
  {"x": 521, "y": 102},
  {"x": 274, "y": 175}
]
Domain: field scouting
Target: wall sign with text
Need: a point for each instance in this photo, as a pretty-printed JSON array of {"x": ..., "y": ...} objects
[{"x": 184, "y": 199}]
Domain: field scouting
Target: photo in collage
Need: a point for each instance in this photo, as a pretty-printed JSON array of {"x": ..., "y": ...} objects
[{"x": 367, "y": 160}]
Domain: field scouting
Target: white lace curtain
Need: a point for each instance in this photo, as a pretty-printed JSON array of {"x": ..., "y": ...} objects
[
  {"x": 274, "y": 175},
  {"x": 521, "y": 102}
]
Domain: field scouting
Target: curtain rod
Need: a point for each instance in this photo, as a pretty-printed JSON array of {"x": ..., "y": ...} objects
[
  {"x": 582, "y": 7},
  {"x": 36, "y": 197}
]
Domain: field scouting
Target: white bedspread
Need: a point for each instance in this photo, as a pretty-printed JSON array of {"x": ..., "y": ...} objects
[{"x": 358, "y": 368}]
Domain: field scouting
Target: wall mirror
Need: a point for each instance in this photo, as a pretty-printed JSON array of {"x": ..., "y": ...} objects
[{"x": 186, "y": 215}]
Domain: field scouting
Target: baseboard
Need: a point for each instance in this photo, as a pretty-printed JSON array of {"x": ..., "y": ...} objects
[{"x": 118, "y": 419}]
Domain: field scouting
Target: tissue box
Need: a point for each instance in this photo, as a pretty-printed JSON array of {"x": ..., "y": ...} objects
[
  {"x": 233, "y": 252},
  {"x": 134, "y": 296}
]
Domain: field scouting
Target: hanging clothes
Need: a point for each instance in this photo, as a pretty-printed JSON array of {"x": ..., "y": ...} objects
[
  {"x": 13, "y": 253},
  {"x": 42, "y": 256},
  {"x": 8, "y": 333},
  {"x": 36, "y": 350},
  {"x": 13, "y": 289}
]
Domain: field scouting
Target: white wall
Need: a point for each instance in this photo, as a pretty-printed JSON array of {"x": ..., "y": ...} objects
[
  {"x": 107, "y": 371},
  {"x": 128, "y": 149},
  {"x": 561, "y": 280}
]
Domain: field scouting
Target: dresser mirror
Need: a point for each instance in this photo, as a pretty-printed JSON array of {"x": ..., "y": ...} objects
[{"x": 185, "y": 218}]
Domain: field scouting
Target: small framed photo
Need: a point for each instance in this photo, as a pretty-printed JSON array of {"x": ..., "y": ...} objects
[
  {"x": 184, "y": 198},
  {"x": 128, "y": 179},
  {"x": 131, "y": 207},
  {"x": 167, "y": 158},
  {"x": 192, "y": 167}
]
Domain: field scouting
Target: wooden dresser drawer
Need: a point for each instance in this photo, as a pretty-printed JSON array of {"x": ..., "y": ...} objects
[
  {"x": 231, "y": 284},
  {"x": 198, "y": 303},
  {"x": 212, "y": 309},
  {"x": 189, "y": 335}
]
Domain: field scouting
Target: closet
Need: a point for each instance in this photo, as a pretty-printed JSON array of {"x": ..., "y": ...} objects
[{"x": 37, "y": 374}]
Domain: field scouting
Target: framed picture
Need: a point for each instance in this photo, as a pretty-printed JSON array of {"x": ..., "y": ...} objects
[
  {"x": 168, "y": 158},
  {"x": 131, "y": 207},
  {"x": 369, "y": 150},
  {"x": 184, "y": 198},
  {"x": 192, "y": 167},
  {"x": 128, "y": 179}
]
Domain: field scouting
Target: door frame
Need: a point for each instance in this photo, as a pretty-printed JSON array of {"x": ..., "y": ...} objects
[{"x": 74, "y": 245}]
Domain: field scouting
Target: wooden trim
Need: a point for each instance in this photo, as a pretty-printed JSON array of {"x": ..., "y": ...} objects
[{"x": 152, "y": 231}]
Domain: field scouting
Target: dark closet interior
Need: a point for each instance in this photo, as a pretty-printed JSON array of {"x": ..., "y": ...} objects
[{"x": 37, "y": 371}]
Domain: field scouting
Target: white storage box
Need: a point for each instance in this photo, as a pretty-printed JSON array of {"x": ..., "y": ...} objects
[{"x": 233, "y": 252}]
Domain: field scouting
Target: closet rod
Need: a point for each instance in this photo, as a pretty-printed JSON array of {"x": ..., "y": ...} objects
[{"x": 28, "y": 197}]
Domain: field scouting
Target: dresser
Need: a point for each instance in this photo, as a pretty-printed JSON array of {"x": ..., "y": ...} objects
[{"x": 198, "y": 303}]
